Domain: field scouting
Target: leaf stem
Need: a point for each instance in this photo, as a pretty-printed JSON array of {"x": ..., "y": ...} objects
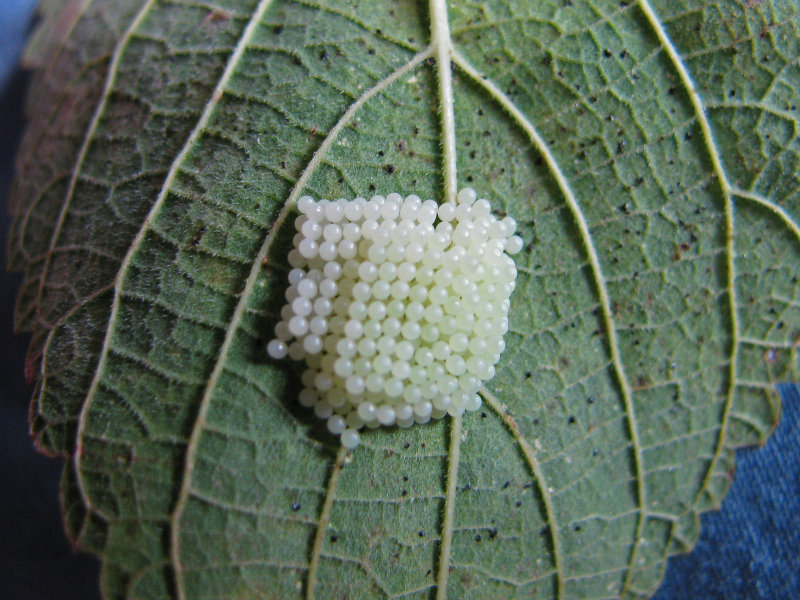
[
  {"x": 443, "y": 47},
  {"x": 324, "y": 521},
  {"x": 454, "y": 456}
]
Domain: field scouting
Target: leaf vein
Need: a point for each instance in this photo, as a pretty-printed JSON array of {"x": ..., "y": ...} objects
[
  {"x": 530, "y": 457},
  {"x": 716, "y": 160},
  {"x": 594, "y": 260},
  {"x": 188, "y": 144}
]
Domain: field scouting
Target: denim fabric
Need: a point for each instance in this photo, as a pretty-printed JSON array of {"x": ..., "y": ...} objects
[
  {"x": 748, "y": 550},
  {"x": 15, "y": 17}
]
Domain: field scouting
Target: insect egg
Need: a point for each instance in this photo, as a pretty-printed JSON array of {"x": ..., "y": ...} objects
[{"x": 397, "y": 306}]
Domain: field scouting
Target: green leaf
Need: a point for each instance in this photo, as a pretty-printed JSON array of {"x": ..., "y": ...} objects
[{"x": 649, "y": 152}]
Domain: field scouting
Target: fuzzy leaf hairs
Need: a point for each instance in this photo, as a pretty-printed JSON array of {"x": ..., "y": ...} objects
[{"x": 397, "y": 306}]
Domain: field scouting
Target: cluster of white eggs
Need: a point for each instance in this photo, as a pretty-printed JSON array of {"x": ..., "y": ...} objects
[{"x": 397, "y": 306}]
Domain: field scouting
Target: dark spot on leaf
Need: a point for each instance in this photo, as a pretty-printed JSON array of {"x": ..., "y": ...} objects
[
  {"x": 323, "y": 54},
  {"x": 478, "y": 538},
  {"x": 505, "y": 485},
  {"x": 421, "y": 533},
  {"x": 483, "y": 415},
  {"x": 218, "y": 16},
  {"x": 577, "y": 527},
  {"x": 493, "y": 533},
  {"x": 687, "y": 136},
  {"x": 195, "y": 240},
  {"x": 401, "y": 146},
  {"x": 404, "y": 493},
  {"x": 277, "y": 30},
  {"x": 571, "y": 420},
  {"x": 407, "y": 445},
  {"x": 334, "y": 538},
  {"x": 389, "y": 169},
  {"x": 295, "y": 506},
  {"x": 607, "y": 53},
  {"x": 518, "y": 503}
]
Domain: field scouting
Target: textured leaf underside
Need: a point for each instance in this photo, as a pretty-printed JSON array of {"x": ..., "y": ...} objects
[{"x": 649, "y": 151}]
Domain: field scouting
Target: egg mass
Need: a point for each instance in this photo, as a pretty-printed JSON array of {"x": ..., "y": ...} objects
[{"x": 398, "y": 307}]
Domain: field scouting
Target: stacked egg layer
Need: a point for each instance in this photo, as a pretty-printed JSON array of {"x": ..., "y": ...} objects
[{"x": 397, "y": 306}]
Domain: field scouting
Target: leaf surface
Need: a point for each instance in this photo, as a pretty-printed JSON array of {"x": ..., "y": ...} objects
[{"x": 649, "y": 152}]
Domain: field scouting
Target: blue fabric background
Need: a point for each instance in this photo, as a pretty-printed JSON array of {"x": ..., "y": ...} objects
[{"x": 750, "y": 550}]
